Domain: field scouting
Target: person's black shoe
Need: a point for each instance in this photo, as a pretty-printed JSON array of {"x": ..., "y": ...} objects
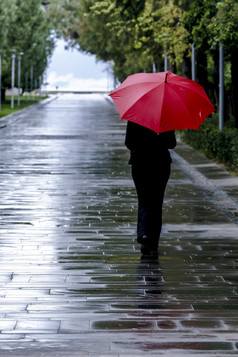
[
  {"x": 149, "y": 250},
  {"x": 149, "y": 247},
  {"x": 144, "y": 240}
]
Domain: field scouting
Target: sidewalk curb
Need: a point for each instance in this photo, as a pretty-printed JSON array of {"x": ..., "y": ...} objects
[
  {"x": 10, "y": 118},
  {"x": 214, "y": 193}
]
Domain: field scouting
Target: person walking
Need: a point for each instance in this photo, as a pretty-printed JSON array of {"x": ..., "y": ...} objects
[{"x": 150, "y": 161}]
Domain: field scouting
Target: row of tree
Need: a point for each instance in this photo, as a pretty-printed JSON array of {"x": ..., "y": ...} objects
[
  {"x": 25, "y": 26},
  {"x": 136, "y": 34}
]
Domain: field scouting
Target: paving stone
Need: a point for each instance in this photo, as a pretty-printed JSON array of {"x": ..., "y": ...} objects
[
  {"x": 72, "y": 278},
  {"x": 30, "y": 326}
]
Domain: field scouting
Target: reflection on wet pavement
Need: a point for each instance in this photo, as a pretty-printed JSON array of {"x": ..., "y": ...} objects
[{"x": 72, "y": 278}]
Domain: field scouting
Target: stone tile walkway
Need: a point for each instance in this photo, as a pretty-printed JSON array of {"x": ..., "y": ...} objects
[{"x": 72, "y": 279}]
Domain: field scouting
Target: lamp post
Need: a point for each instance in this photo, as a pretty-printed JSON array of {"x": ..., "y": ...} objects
[
  {"x": 32, "y": 73},
  {"x": 165, "y": 61},
  {"x": 221, "y": 87},
  {"x": 41, "y": 82},
  {"x": 0, "y": 80},
  {"x": 193, "y": 62},
  {"x": 26, "y": 87},
  {"x": 13, "y": 77},
  {"x": 35, "y": 88},
  {"x": 19, "y": 77},
  {"x": 165, "y": 53},
  {"x": 31, "y": 84}
]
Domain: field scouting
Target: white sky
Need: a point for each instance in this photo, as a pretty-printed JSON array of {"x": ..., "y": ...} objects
[{"x": 74, "y": 70}]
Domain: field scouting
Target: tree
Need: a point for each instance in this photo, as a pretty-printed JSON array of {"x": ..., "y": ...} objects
[
  {"x": 224, "y": 29},
  {"x": 209, "y": 23},
  {"x": 7, "y": 15},
  {"x": 168, "y": 32},
  {"x": 133, "y": 34},
  {"x": 196, "y": 21},
  {"x": 100, "y": 32},
  {"x": 27, "y": 31},
  {"x": 63, "y": 16}
]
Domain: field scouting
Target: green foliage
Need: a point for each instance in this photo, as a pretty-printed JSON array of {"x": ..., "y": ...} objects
[
  {"x": 169, "y": 31},
  {"x": 62, "y": 15},
  {"x": 26, "y": 29},
  {"x": 221, "y": 146},
  {"x": 135, "y": 34},
  {"x": 7, "y": 16},
  {"x": 224, "y": 26},
  {"x": 130, "y": 8},
  {"x": 210, "y": 22},
  {"x": 132, "y": 34}
]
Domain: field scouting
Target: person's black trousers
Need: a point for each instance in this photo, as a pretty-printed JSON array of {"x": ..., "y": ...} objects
[{"x": 150, "y": 182}]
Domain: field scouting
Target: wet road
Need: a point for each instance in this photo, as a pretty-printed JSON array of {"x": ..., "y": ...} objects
[{"x": 72, "y": 280}]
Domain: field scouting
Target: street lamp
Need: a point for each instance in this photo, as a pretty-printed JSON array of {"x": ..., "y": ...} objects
[
  {"x": 13, "y": 77},
  {"x": 221, "y": 87},
  {"x": 193, "y": 62},
  {"x": 19, "y": 77},
  {"x": 40, "y": 83},
  {"x": 0, "y": 80},
  {"x": 26, "y": 87},
  {"x": 35, "y": 88},
  {"x": 165, "y": 53},
  {"x": 31, "y": 82},
  {"x": 32, "y": 73}
]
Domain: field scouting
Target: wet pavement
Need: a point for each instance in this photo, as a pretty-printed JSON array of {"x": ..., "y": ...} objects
[{"x": 72, "y": 279}]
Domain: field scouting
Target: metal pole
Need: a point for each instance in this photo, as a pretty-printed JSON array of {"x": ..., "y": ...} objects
[
  {"x": 35, "y": 88},
  {"x": 19, "y": 78},
  {"x": 221, "y": 87},
  {"x": 13, "y": 77},
  {"x": 31, "y": 89},
  {"x": 193, "y": 62},
  {"x": 165, "y": 61},
  {"x": 165, "y": 35},
  {"x": 26, "y": 88},
  {"x": 0, "y": 80},
  {"x": 40, "y": 80}
]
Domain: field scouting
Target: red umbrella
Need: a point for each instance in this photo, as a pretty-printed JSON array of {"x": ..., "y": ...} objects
[{"x": 162, "y": 101}]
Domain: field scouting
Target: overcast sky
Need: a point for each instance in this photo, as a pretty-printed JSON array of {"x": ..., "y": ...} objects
[{"x": 74, "y": 70}]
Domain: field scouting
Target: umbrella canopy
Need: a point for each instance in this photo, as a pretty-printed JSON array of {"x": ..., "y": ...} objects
[{"x": 162, "y": 101}]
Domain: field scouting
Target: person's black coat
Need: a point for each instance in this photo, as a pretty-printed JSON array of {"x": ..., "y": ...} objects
[{"x": 148, "y": 147}]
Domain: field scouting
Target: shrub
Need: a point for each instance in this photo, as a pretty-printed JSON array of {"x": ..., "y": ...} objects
[{"x": 221, "y": 146}]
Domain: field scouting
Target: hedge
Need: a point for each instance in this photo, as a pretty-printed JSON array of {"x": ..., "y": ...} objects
[{"x": 221, "y": 146}]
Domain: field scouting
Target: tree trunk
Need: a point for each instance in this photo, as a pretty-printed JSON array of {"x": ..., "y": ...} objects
[
  {"x": 215, "y": 89},
  {"x": 186, "y": 67},
  {"x": 202, "y": 69},
  {"x": 3, "y": 95},
  {"x": 159, "y": 64},
  {"x": 172, "y": 67}
]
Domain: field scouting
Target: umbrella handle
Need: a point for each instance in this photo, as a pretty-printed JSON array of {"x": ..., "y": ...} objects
[{"x": 165, "y": 81}]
